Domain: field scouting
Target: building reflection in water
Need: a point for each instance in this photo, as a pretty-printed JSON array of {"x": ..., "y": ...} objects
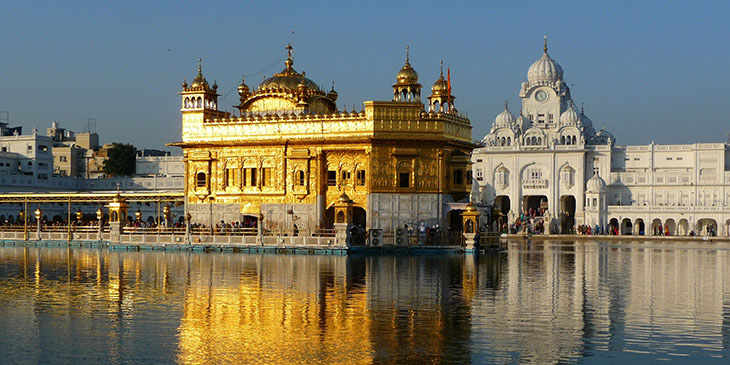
[{"x": 542, "y": 302}]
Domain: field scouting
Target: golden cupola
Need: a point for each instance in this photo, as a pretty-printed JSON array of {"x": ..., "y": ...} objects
[
  {"x": 406, "y": 88},
  {"x": 332, "y": 95},
  {"x": 243, "y": 90},
  {"x": 441, "y": 100},
  {"x": 287, "y": 91}
]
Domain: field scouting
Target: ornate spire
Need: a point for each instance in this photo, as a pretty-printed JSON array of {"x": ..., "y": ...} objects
[
  {"x": 200, "y": 67},
  {"x": 506, "y": 105},
  {"x": 545, "y": 47},
  {"x": 408, "y": 56},
  {"x": 442, "y": 69},
  {"x": 289, "y": 60}
]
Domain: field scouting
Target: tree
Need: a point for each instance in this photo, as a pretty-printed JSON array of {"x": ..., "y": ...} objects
[{"x": 121, "y": 160}]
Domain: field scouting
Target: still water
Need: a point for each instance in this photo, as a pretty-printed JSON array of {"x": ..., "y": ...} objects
[{"x": 541, "y": 302}]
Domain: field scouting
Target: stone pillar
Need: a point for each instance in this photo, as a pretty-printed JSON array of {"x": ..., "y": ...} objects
[
  {"x": 117, "y": 217},
  {"x": 470, "y": 219}
]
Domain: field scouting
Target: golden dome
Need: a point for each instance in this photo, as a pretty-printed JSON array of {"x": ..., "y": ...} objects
[
  {"x": 470, "y": 207},
  {"x": 288, "y": 79},
  {"x": 199, "y": 81},
  {"x": 243, "y": 88},
  {"x": 440, "y": 87},
  {"x": 407, "y": 75}
]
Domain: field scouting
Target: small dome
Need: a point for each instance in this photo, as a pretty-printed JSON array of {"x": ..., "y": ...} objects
[
  {"x": 570, "y": 116},
  {"x": 407, "y": 75},
  {"x": 199, "y": 81},
  {"x": 332, "y": 94},
  {"x": 440, "y": 87},
  {"x": 288, "y": 79},
  {"x": 587, "y": 123},
  {"x": 595, "y": 184},
  {"x": 505, "y": 119},
  {"x": 545, "y": 69},
  {"x": 523, "y": 123},
  {"x": 243, "y": 88}
]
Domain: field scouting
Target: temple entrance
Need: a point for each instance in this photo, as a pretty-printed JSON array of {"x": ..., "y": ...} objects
[
  {"x": 626, "y": 226},
  {"x": 534, "y": 205},
  {"x": 567, "y": 213},
  {"x": 639, "y": 227},
  {"x": 250, "y": 221}
]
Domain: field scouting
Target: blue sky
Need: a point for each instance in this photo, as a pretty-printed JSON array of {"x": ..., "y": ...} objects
[{"x": 647, "y": 70}]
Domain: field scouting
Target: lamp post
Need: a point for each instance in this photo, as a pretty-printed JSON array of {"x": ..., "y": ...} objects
[
  {"x": 260, "y": 229},
  {"x": 21, "y": 215},
  {"x": 100, "y": 220},
  {"x": 188, "y": 217},
  {"x": 38, "y": 215}
]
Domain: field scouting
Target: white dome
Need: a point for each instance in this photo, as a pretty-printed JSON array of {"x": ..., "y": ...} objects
[
  {"x": 544, "y": 69},
  {"x": 523, "y": 123},
  {"x": 595, "y": 184},
  {"x": 504, "y": 119},
  {"x": 587, "y": 124},
  {"x": 569, "y": 117}
]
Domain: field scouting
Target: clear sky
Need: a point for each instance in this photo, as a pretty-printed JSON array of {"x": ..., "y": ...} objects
[{"x": 647, "y": 70}]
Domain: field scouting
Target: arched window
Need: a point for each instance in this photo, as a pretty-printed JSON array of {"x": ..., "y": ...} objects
[
  {"x": 562, "y": 139},
  {"x": 534, "y": 141},
  {"x": 300, "y": 177},
  {"x": 200, "y": 180},
  {"x": 527, "y": 141},
  {"x": 509, "y": 142},
  {"x": 435, "y": 106},
  {"x": 539, "y": 140},
  {"x": 573, "y": 139},
  {"x": 199, "y": 103},
  {"x": 503, "y": 142}
]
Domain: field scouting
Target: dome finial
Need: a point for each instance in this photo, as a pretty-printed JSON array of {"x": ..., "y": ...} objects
[
  {"x": 545, "y": 47},
  {"x": 200, "y": 66},
  {"x": 333, "y": 85},
  {"x": 581, "y": 108},
  {"x": 442, "y": 69},
  {"x": 289, "y": 60},
  {"x": 408, "y": 54},
  {"x": 506, "y": 104}
]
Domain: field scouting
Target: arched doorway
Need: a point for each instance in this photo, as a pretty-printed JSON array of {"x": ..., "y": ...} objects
[
  {"x": 626, "y": 226},
  {"x": 670, "y": 227},
  {"x": 707, "y": 227},
  {"x": 655, "y": 226},
  {"x": 683, "y": 227},
  {"x": 250, "y": 221},
  {"x": 456, "y": 223},
  {"x": 639, "y": 227},
  {"x": 502, "y": 205},
  {"x": 567, "y": 213},
  {"x": 359, "y": 217},
  {"x": 613, "y": 225},
  {"x": 534, "y": 204}
]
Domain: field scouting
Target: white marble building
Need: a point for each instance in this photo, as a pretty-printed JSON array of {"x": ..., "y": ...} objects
[{"x": 550, "y": 156}]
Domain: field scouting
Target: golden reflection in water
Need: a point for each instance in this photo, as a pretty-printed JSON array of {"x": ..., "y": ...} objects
[
  {"x": 273, "y": 309},
  {"x": 541, "y": 302}
]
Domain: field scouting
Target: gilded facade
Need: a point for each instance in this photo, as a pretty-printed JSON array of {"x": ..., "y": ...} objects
[{"x": 289, "y": 154}]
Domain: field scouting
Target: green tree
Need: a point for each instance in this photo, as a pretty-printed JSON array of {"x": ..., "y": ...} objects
[{"x": 121, "y": 160}]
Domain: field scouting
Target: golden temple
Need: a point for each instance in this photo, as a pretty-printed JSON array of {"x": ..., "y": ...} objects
[{"x": 290, "y": 154}]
